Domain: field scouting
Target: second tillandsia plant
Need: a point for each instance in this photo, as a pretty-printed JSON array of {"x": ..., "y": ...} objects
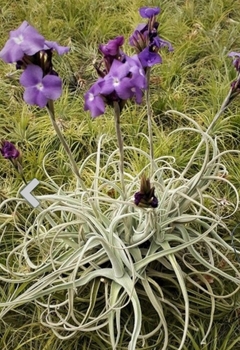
[{"x": 126, "y": 263}]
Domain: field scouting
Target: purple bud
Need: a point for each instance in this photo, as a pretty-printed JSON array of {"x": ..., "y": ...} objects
[
  {"x": 8, "y": 150},
  {"x": 146, "y": 197},
  {"x": 112, "y": 47},
  {"x": 148, "y": 12},
  {"x": 139, "y": 35}
]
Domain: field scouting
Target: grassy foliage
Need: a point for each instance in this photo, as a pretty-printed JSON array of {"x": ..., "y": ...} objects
[{"x": 176, "y": 269}]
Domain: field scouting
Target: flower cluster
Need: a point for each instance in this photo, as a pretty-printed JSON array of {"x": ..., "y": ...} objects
[
  {"x": 120, "y": 78},
  {"x": 31, "y": 52},
  {"x": 145, "y": 38},
  {"x": 8, "y": 150}
]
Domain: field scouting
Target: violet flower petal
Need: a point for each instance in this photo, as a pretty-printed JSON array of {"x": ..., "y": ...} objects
[
  {"x": 148, "y": 12},
  {"x": 236, "y": 59},
  {"x": 52, "y": 86},
  {"x": 138, "y": 77},
  {"x": 137, "y": 71},
  {"x": 142, "y": 28},
  {"x": 162, "y": 43},
  {"x": 34, "y": 96},
  {"x": 31, "y": 76},
  {"x": 24, "y": 40},
  {"x": 33, "y": 41},
  {"x": 112, "y": 47},
  {"x": 93, "y": 101},
  {"x": 108, "y": 85},
  {"x": 123, "y": 90},
  {"x": 48, "y": 45},
  {"x": 112, "y": 81},
  {"x": 137, "y": 197},
  {"x": 11, "y": 52},
  {"x": 119, "y": 69},
  {"x": 149, "y": 59},
  {"x": 234, "y": 54},
  {"x": 94, "y": 104},
  {"x": 40, "y": 89},
  {"x": 133, "y": 61},
  {"x": 154, "y": 202},
  {"x": 8, "y": 150}
]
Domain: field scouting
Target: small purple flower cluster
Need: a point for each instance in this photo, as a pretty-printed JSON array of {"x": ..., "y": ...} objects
[
  {"x": 31, "y": 52},
  {"x": 145, "y": 38},
  {"x": 8, "y": 150},
  {"x": 122, "y": 77}
]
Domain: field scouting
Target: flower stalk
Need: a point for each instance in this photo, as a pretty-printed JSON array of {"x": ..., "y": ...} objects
[
  {"x": 18, "y": 167},
  {"x": 233, "y": 92},
  {"x": 50, "y": 109},
  {"x": 120, "y": 145},
  {"x": 149, "y": 116}
]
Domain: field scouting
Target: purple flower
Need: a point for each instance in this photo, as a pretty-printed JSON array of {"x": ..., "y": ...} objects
[
  {"x": 24, "y": 40},
  {"x": 234, "y": 54},
  {"x": 38, "y": 88},
  {"x": 148, "y": 12},
  {"x": 8, "y": 150},
  {"x": 137, "y": 78},
  {"x": 124, "y": 81},
  {"x": 112, "y": 47},
  {"x": 117, "y": 80},
  {"x": 148, "y": 58},
  {"x": 159, "y": 43},
  {"x": 93, "y": 101},
  {"x": 145, "y": 38},
  {"x": 236, "y": 59}
]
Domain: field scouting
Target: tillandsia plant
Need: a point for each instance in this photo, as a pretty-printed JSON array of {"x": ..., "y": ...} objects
[{"x": 125, "y": 266}]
